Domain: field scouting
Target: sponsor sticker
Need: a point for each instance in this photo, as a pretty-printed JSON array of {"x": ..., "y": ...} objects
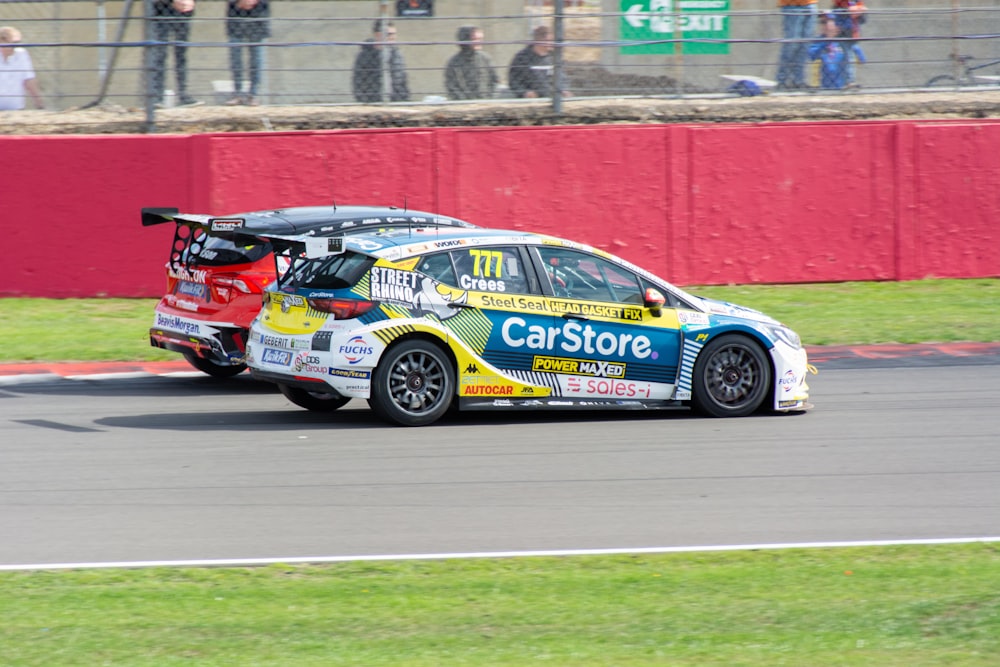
[
  {"x": 279, "y": 357},
  {"x": 350, "y": 373},
  {"x": 310, "y": 363},
  {"x": 590, "y": 367},
  {"x": 356, "y": 350},
  {"x": 573, "y": 336},
  {"x": 199, "y": 290},
  {"x": 272, "y": 341},
  {"x": 690, "y": 318},
  {"x": 393, "y": 285},
  {"x": 596, "y": 310},
  {"x": 226, "y": 224},
  {"x": 788, "y": 381},
  {"x": 287, "y": 301},
  {"x": 487, "y": 390},
  {"x": 609, "y": 387},
  {"x": 177, "y": 324}
]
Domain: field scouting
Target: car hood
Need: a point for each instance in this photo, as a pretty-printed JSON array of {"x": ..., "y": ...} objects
[{"x": 716, "y": 307}]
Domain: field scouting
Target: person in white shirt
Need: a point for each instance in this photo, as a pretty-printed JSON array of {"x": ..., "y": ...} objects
[{"x": 17, "y": 75}]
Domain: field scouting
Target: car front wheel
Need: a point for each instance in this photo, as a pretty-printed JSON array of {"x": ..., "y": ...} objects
[
  {"x": 731, "y": 377},
  {"x": 413, "y": 384},
  {"x": 313, "y": 400}
]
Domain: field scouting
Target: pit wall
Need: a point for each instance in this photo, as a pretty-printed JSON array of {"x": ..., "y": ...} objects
[{"x": 697, "y": 204}]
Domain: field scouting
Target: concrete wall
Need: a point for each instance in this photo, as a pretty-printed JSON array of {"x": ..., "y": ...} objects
[{"x": 697, "y": 204}]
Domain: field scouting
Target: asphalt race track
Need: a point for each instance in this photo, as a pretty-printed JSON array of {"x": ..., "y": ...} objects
[{"x": 182, "y": 467}]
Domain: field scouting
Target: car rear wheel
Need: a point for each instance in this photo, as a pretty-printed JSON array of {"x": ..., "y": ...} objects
[
  {"x": 211, "y": 368},
  {"x": 313, "y": 400},
  {"x": 413, "y": 384},
  {"x": 731, "y": 377}
]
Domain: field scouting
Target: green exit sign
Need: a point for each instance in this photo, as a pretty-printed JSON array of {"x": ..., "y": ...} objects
[{"x": 656, "y": 20}]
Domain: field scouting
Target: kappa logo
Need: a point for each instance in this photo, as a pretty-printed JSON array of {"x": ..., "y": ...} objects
[{"x": 472, "y": 369}]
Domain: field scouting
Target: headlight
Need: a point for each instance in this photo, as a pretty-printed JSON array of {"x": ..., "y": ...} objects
[{"x": 786, "y": 336}]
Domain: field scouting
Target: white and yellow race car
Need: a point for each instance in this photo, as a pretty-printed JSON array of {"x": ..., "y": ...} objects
[{"x": 416, "y": 319}]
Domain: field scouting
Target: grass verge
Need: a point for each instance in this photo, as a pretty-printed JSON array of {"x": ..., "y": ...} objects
[
  {"x": 880, "y": 606},
  {"x": 924, "y": 311}
]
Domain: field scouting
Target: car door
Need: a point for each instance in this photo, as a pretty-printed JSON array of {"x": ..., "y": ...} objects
[
  {"x": 499, "y": 311},
  {"x": 607, "y": 344}
]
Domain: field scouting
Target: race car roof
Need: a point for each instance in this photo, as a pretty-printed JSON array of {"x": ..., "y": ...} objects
[
  {"x": 302, "y": 220},
  {"x": 397, "y": 243}
]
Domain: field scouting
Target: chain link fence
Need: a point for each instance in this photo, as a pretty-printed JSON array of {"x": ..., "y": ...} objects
[{"x": 318, "y": 53}]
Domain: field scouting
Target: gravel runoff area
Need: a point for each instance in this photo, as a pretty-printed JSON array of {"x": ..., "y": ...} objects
[{"x": 114, "y": 119}]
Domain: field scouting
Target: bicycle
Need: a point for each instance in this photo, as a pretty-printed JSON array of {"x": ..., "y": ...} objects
[{"x": 968, "y": 76}]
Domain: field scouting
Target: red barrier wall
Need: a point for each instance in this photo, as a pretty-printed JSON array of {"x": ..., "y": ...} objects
[{"x": 698, "y": 204}]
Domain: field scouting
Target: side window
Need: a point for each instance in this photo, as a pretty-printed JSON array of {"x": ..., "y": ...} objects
[
  {"x": 579, "y": 275},
  {"x": 439, "y": 268},
  {"x": 490, "y": 270}
]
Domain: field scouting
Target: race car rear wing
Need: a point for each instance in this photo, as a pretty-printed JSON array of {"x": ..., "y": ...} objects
[
  {"x": 304, "y": 238},
  {"x": 186, "y": 250},
  {"x": 157, "y": 216}
]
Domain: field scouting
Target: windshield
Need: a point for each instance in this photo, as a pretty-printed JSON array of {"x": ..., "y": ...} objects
[
  {"x": 215, "y": 251},
  {"x": 334, "y": 272}
]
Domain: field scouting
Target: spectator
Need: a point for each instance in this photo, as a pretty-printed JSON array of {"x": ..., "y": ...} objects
[
  {"x": 798, "y": 20},
  {"x": 172, "y": 23},
  {"x": 247, "y": 24},
  {"x": 834, "y": 55},
  {"x": 849, "y": 15},
  {"x": 531, "y": 70},
  {"x": 377, "y": 54},
  {"x": 17, "y": 74},
  {"x": 470, "y": 74}
]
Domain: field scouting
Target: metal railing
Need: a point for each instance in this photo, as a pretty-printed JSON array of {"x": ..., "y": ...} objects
[{"x": 97, "y": 55}]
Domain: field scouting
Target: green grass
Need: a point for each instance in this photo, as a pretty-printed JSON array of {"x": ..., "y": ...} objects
[
  {"x": 879, "y": 606},
  {"x": 922, "y": 311},
  {"x": 925, "y": 311},
  {"x": 906, "y": 606}
]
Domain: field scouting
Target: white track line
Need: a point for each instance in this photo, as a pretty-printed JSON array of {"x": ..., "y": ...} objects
[{"x": 246, "y": 562}]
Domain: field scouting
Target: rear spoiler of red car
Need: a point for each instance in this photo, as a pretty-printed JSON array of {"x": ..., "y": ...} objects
[{"x": 159, "y": 215}]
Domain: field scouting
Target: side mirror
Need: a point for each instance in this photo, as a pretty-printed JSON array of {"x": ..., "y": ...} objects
[{"x": 654, "y": 300}]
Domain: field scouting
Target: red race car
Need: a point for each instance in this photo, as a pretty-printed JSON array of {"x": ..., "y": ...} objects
[{"x": 218, "y": 271}]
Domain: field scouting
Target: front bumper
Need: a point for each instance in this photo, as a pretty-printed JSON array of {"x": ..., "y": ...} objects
[{"x": 791, "y": 391}]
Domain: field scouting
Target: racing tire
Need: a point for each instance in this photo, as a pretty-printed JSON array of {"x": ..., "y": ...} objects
[
  {"x": 413, "y": 384},
  {"x": 314, "y": 401},
  {"x": 942, "y": 80},
  {"x": 209, "y": 367},
  {"x": 732, "y": 377}
]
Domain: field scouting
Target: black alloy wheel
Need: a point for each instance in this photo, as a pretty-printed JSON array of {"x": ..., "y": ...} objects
[
  {"x": 413, "y": 384},
  {"x": 732, "y": 377}
]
